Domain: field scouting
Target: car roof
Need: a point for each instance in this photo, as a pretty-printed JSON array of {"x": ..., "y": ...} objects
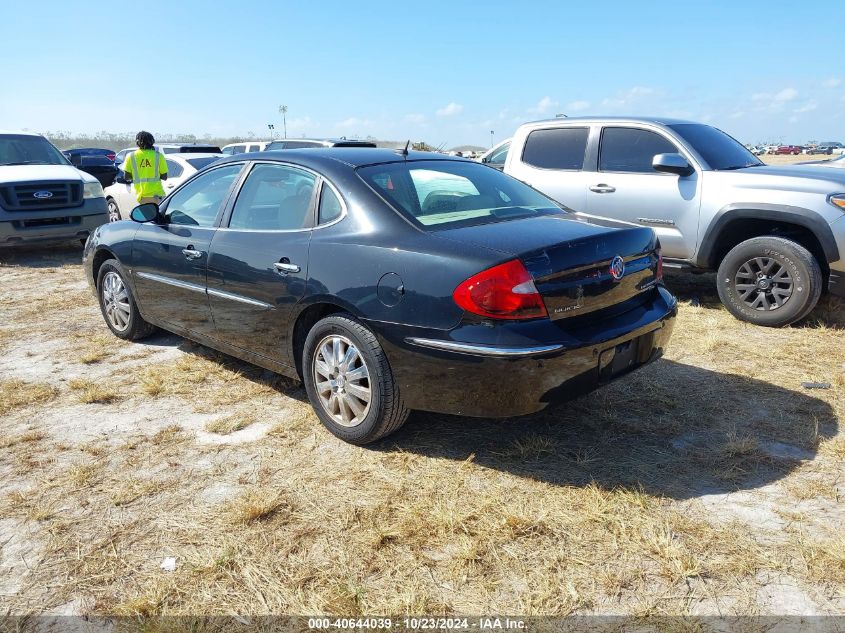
[
  {"x": 616, "y": 119},
  {"x": 192, "y": 155},
  {"x": 354, "y": 157},
  {"x": 320, "y": 140},
  {"x": 20, "y": 133}
]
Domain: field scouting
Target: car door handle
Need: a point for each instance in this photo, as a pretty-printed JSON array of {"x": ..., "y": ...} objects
[
  {"x": 286, "y": 267},
  {"x": 190, "y": 253},
  {"x": 602, "y": 188}
]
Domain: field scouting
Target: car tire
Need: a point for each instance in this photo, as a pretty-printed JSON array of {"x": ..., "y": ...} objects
[
  {"x": 340, "y": 400},
  {"x": 113, "y": 210},
  {"x": 769, "y": 281},
  {"x": 117, "y": 304}
]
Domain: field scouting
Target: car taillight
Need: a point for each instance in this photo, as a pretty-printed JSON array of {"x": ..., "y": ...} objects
[
  {"x": 506, "y": 291},
  {"x": 659, "y": 272},
  {"x": 110, "y": 156}
]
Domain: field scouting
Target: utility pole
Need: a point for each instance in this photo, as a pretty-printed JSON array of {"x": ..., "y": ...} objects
[
  {"x": 491, "y": 139},
  {"x": 271, "y": 127},
  {"x": 283, "y": 110}
]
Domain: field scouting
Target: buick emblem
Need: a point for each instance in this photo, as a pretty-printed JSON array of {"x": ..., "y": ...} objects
[
  {"x": 42, "y": 195},
  {"x": 617, "y": 267}
]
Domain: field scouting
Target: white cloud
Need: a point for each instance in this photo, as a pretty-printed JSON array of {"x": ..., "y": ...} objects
[
  {"x": 787, "y": 94},
  {"x": 415, "y": 118},
  {"x": 451, "y": 109},
  {"x": 577, "y": 106},
  {"x": 298, "y": 126},
  {"x": 543, "y": 106},
  {"x": 628, "y": 97},
  {"x": 353, "y": 122},
  {"x": 807, "y": 107},
  {"x": 833, "y": 82}
]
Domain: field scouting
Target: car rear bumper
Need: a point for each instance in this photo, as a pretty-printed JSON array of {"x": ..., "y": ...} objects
[
  {"x": 57, "y": 225},
  {"x": 513, "y": 377}
]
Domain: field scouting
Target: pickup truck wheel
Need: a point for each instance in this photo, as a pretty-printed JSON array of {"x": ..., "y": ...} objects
[
  {"x": 117, "y": 304},
  {"x": 769, "y": 281},
  {"x": 349, "y": 381}
]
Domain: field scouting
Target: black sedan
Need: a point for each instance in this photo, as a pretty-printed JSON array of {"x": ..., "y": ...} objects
[
  {"x": 388, "y": 282},
  {"x": 95, "y": 161}
]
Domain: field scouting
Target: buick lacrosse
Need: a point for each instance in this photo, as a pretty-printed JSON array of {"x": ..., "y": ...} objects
[{"x": 388, "y": 281}]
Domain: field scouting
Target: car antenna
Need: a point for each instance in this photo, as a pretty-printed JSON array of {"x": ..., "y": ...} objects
[{"x": 404, "y": 151}]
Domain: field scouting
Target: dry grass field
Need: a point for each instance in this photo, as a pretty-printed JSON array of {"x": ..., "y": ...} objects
[{"x": 710, "y": 482}]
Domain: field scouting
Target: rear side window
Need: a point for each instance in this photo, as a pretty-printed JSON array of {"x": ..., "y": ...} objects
[
  {"x": 330, "y": 207},
  {"x": 631, "y": 150},
  {"x": 174, "y": 169},
  {"x": 558, "y": 148},
  {"x": 274, "y": 198}
]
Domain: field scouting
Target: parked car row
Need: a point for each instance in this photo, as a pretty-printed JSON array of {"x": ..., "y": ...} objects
[{"x": 828, "y": 147}]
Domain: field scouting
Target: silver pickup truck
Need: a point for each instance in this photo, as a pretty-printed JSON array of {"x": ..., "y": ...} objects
[
  {"x": 42, "y": 196},
  {"x": 776, "y": 235}
]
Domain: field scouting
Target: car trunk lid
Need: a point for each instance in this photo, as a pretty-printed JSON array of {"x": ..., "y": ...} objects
[{"x": 570, "y": 259}]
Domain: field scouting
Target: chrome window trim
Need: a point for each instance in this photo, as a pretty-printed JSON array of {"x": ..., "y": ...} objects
[{"x": 483, "y": 350}]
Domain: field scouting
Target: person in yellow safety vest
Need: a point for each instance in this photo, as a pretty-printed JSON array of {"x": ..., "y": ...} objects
[{"x": 146, "y": 168}]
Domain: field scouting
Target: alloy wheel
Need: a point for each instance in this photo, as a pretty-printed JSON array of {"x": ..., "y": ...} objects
[
  {"x": 116, "y": 304},
  {"x": 114, "y": 212},
  {"x": 342, "y": 380},
  {"x": 763, "y": 283}
]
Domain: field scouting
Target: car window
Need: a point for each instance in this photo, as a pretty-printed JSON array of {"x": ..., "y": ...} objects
[
  {"x": 198, "y": 202},
  {"x": 174, "y": 169},
  {"x": 25, "y": 149},
  {"x": 631, "y": 150},
  {"x": 300, "y": 144},
  {"x": 498, "y": 157},
  {"x": 330, "y": 207},
  {"x": 720, "y": 150},
  {"x": 253, "y": 148},
  {"x": 557, "y": 148},
  {"x": 199, "y": 163},
  {"x": 447, "y": 194},
  {"x": 274, "y": 198}
]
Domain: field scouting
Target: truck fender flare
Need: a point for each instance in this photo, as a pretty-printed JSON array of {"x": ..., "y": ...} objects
[{"x": 763, "y": 211}]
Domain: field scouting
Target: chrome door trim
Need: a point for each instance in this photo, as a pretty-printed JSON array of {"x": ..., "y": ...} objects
[
  {"x": 171, "y": 282},
  {"x": 483, "y": 350},
  {"x": 240, "y": 299}
]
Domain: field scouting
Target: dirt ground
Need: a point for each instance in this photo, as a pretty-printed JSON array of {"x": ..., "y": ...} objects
[{"x": 710, "y": 482}]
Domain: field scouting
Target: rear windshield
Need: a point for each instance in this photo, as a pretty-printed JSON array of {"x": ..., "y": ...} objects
[
  {"x": 23, "y": 149},
  {"x": 199, "y": 163},
  {"x": 441, "y": 194},
  {"x": 717, "y": 148},
  {"x": 198, "y": 149}
]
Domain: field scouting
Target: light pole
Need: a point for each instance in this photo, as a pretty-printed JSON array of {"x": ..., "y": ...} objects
[
  {"x": 283, "y": 110},
  {"x": 271, "y": 127},
  {"x": 491, "y": 139}
]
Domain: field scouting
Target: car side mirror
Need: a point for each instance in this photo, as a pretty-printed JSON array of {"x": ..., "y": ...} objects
[
  {"x": 672, "y": 164},
  {"x": 76, "y": 160},
  {"x": 147, "y": 212},
  {"x": 120, "y": 178}
]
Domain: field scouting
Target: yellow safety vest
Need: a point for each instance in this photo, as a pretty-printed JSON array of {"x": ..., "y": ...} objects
[{"x": 146, "y": 174}]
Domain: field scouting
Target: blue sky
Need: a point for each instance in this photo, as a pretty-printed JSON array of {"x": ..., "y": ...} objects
[{"x": 447, "y": 72}]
